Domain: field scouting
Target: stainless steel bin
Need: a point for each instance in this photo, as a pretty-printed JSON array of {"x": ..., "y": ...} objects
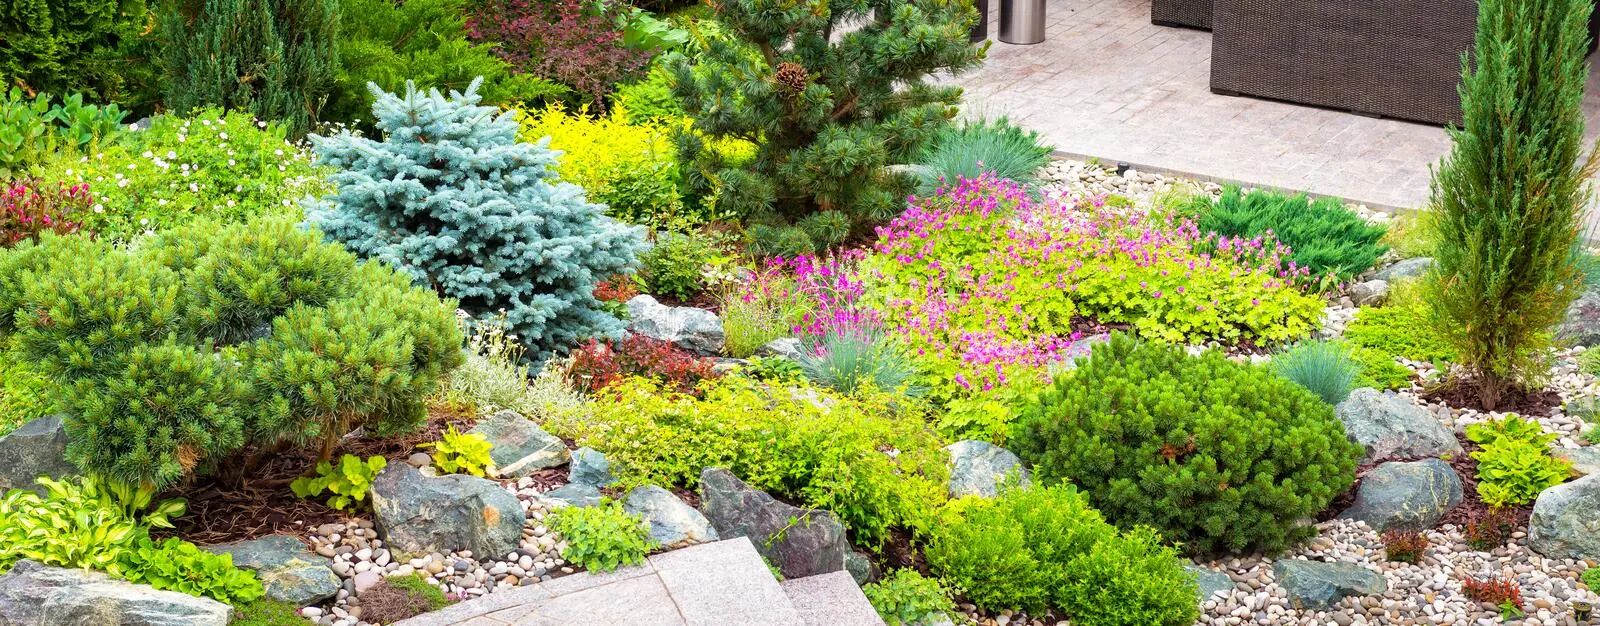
[{"x": 1022, "y": 21}]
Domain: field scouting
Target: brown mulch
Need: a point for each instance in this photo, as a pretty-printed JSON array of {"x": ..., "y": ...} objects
[
  {"x": 1463, "y": 394},
  {"x": 221, "y": 511},
  {"x": 899, "y": 553}
]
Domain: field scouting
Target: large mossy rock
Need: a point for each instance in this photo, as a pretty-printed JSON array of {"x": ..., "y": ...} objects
[
  {"x": 32, "y": 594},
  {"x": 672, "y": 523},
  {"x": 37, "y": 448},
  {"x": 1209, "y": 582},
  {"x": 1413, "y": 496},
  {"x": 1390, "y": 427},
  {"x": 1566, "y": 520},
  {"x": 518, "y": 446},
  {"x": 1317, "y": 586},
  {"x": 590, "y": 467},
  {"x": 799, "y": 542},
  {"x": 417, "y": 514},
  {"x": 288, "y": 570},
  {"x": 978, "y": 468}
]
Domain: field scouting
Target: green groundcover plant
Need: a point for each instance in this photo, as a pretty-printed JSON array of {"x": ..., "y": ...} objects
[
  {"x": 907, "y": 597},
  {"x": 603, "y": 537},
  {"x": 1217, "y": 455},
  {"x": 1044, "y": 548},
  {"x": 1515, "y": 464}
]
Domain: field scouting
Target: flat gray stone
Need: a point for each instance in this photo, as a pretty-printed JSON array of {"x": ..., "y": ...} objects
[
  {"x": 724, "y": 583},
  {"x": 786, "y": 347},
  {"x": 978, "y": 468},
  {"x": 1209, "y": 582},
  {"x": 799, "y": 542},
  {"x": 1412, "y": 496},
  {"x": 1584, "y": 460},
  {"x": 1405, "y": 268},
  {"x": 574, "y": 494},
  {"x": 1566, "y": 520},
  {"x": 832, "y": 598},
  {"x": 520, "y": 447},
  {"x": 1369, "y": 292},
  {"x": 419, "y": 515},
  {"x": 673, "y": 524},
  {"x": 590, "y": 467},
  {"x": 696, "y": 330},
  {"x": 37, "y": 448},
  {"x": 1390, "y": 427},
  {"x": 1317, "y": 586},
  {"x": 643, "y": 600},
  {"x": 288, "y": 570},
  {"x": 32, "y": 594}
]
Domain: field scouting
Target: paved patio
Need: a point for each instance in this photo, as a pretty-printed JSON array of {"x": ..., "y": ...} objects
[{"x": 1107, "y": 83}]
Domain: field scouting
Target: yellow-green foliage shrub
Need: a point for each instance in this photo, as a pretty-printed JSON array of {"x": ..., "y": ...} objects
[
  {"x": 868, "y": 458},
  {"x": 631, "y": 167}
]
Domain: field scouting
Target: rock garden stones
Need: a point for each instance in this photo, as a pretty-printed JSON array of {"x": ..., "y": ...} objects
[
  {"x": 1581, "y": 326},
  {"x": 672, "y": 523},
  {"x": 288, "y": 570},
  {"x": 1317, "y": 586},
  {"x": 1566, "y": 520},
  {"x": 520, "y": 447},
  {"x": 1414, "y": 495},
  {"x": 1585, "y": 461},
  {"x": 1369, "y": 292},
  {"x": 786, "y": 347},
  {"x": 1405, "y": 268},
  {"x": 37, "y": 448},
  {"x": 573, "y": 494},
  {"x": 799, "y": 542},
  {"x": 590, "y": 467},
  {"x": 696, "y": 330},
  {"x": 418, "y": 514},
  {"x": 32, "y": 594},
  {"x": 1389, "y": 427},
  {"x": 978, "y": 468},
  {"x": 1210, "y": 582}
]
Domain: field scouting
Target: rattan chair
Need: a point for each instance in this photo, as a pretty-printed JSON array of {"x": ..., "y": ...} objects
[
  {"x": 1190, "y": 13},
  {"x": 1392, "y": 58}
]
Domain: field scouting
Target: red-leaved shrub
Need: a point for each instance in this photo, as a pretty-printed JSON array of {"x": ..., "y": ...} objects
[
  {"x": 27, "y": 211},
  {"x": 570, "y": 42},
  {"x": 600, "y": 363},
  {"x": 1496, "y": 590}
]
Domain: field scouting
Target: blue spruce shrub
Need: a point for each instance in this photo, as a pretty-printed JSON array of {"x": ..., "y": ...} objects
[{"x": 451, "y": 197}]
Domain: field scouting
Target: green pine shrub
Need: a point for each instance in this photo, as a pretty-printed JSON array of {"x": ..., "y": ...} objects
[
  {"x": 907, "y": 597},
  {"x": 602, "y": 537},
  {"x": 62, "y": 46},
  {"x": 214, "y": 165},
  {"x": 490, "y": 225},
  {"x": 1507, "y": 199},
  {"x": 830, "y": 112},
  {"x": 810, "y": 446},
  {"x": 968, "y": 150},
  {"x": 277, "y": 59},
  {"x": 1322, "y": 234},
  {"x": 1217, "y": 455},
  {"x": 1325, "y": 368},
  {"x": 173, "y": 355},
  {"x": 650, "y": 99},
  {"x": 1046, "y": 548}
]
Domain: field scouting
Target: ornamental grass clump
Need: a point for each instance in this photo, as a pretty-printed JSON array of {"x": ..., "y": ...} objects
[
  {"x": 452, "y": 198},
  {"x": 1219, "y": 456},
  {"x": 997, "y": 147},
  {"x": 1326, "y": 368},
  {"x": 1508, "y": 197}
]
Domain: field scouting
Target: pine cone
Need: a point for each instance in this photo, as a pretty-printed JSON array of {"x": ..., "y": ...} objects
[{"x": 792, "y": 76}]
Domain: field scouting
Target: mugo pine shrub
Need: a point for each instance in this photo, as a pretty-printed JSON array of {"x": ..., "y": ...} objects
[
  {"x": 1509, "y": 194},
  {"x": 455, "y": 200},
  {"x": 174, "y": 355},
  {"x": 1217, "y": 455}
]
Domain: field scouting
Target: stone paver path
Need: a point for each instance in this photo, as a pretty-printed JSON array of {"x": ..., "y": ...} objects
[
  {"x": 1107, "y": 83},
  {"x": 715, "y": 584}
]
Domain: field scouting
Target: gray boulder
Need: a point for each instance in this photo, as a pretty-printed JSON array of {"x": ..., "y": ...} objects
[
  {"x": 574, "y": 494},
  {"x": 1582, "y": 324},
  {"x": 1585, "y": 461},
  {"x": 590, "y": 467},
  {"x": 37, "y": 448},
  {"x": 1317, "y": 586},
  {"x": 1405, "y": 268},
  {"x": 1565, "y": 522},
  {"x": 799, "y": 542},
  {"x": 32, "y": 594},
  {"x": 786, "y": 347},
  {"x": 977, "y": 468},
  {"x": 288, "y": 570},
  {"x": 861, "y": 568},
  {"x": 1210, "y": 582},
  {"x": 696, "y": 330},
  {"x": 1369, "y": 292},
  {"x": 1391, "y": 427},
  {"x": 1412, "y": 496},
  {"x": 673, "y": 524},
  {"x": 418, "y": 514},
  {"x": 520, "y": 447}
]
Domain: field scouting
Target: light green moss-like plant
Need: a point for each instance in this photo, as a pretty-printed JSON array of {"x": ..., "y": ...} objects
[
  {"x": 907, "y": 597},
  {"x": 1323, "y": 367},
  {"x": 603, "y": 537}
]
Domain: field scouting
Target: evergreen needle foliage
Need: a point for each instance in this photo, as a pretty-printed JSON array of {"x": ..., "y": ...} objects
[
  {"x": 831, "y": 91},
  {"x": 453, "y": 198},
  {"x": 1509, "y": 194},
  {"x": 1322, "y": 234}
]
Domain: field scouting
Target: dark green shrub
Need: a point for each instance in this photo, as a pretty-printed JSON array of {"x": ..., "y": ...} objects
[
  {"x": 1324, "y": 368},
  {"x": 675, "y": 265},
  {"x": 1323, "y": 234},
  {"x": 971, "y": 149},
  {"x": 907, "y": 597},
  {"x": 1508, "y": 197},
  {"x": 62, "y": 46},
  {"x": 1218, "y": 455},
  {"x": 1380, "y": 370},
  {"x": 1045, "y": 548}
]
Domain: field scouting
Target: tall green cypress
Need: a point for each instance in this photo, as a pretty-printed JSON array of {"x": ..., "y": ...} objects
[
  {"x": 1508, "y": 198},
  {"x": 277, "y": 59}
]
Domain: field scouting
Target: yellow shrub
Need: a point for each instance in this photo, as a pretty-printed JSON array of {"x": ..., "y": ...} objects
[{"x": 632, "y": 168}]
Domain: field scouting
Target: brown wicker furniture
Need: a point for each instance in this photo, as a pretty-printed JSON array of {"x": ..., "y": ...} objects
[
  {"x": 1393, "y": 58},
  {"x": 1191, "y": 13}
]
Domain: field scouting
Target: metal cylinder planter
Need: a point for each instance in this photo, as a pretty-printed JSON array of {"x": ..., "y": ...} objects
[{"x": 1022, "y": 21}]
